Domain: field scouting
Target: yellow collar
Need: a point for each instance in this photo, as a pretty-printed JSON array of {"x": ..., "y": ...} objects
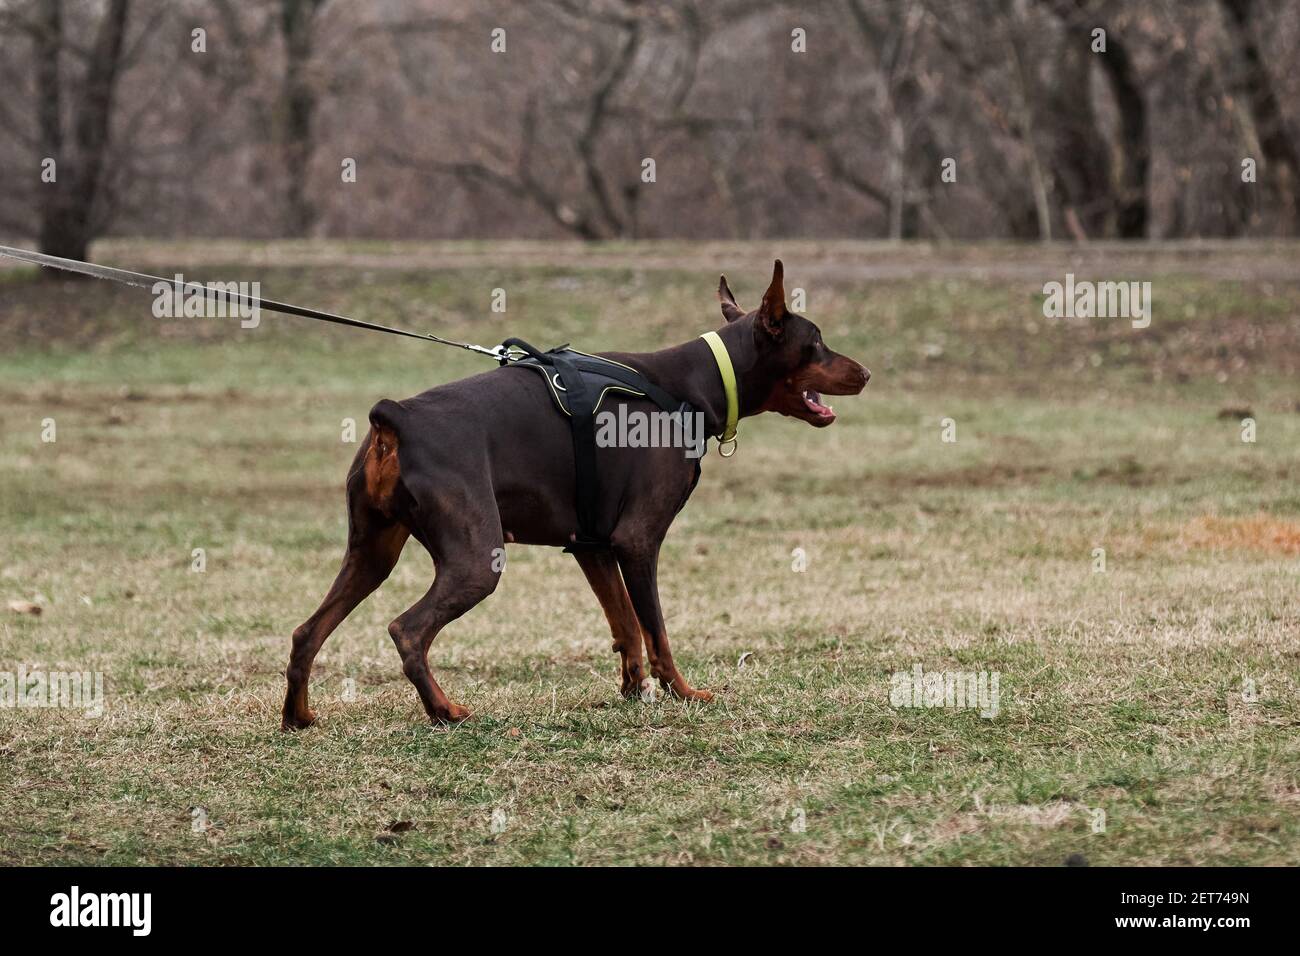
[{"x": 728, "y": 374}]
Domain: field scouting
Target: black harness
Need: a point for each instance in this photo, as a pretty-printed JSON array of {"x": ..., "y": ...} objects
[{"x": 578, "y": 383}]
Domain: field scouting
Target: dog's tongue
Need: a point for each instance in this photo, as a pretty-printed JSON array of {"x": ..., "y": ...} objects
[{"x": 813, "y": 400}]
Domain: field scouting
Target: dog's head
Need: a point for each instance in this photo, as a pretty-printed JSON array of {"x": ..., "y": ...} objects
[{"x": 794, "y": 368}]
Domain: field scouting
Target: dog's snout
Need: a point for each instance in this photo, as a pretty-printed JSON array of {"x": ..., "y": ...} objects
[{"x": 850, "y": 377}]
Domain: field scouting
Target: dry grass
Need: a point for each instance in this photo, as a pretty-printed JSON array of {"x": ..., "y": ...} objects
[
  {"x": 1162, "y": 691},
  {"x": 1263, "y": 533}
]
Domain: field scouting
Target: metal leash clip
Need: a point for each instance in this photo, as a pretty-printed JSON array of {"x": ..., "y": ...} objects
[{"x": 506, "y": 355}]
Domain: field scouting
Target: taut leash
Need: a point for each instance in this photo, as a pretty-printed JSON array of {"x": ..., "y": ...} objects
[
  {"x": 140, "y": 280},
  {"x": 506, "y": 352}
]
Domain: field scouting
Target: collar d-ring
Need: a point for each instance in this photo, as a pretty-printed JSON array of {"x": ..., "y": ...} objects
[{"x": 732, "y": 441}]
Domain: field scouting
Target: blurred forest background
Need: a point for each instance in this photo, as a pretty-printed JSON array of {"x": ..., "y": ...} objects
[{"x": 249, "y": 136}]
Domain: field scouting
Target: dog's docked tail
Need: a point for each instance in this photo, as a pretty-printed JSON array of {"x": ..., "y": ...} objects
[
  {"x": 381, "y": 465},
  {"x": 387, "y": 414}
]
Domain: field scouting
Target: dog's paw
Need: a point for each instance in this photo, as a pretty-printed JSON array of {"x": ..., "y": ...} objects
[
  {"x": 290, "y": 721},
  {"x": 454, "y": 715},
  {"x": 684, "y": 691}
]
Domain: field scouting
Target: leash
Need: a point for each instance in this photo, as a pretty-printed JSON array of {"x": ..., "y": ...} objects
[
  {"x": 142, "y": 281},
  {"x": 508, "y": 351}
]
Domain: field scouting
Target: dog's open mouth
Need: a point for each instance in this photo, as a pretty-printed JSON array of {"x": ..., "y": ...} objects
[{"x": 824, "y": 414}]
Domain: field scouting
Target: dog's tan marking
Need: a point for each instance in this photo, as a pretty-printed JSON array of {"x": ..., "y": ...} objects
[{"x": 381, "y": 468}]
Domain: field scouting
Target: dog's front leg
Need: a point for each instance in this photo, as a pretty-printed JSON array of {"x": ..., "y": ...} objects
[
  {"x": 640, "y": 574},
  {"x": 601, "y": 569}
]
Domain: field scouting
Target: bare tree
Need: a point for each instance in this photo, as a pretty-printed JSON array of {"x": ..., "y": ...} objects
[
  {"x": 575, "y": 154},
  {"x": 68, "y": 211},
  {"x": 1275, "y": 141},
  {"x": 299, "y": 95},
  {"x": 753, "y": 134},
  {"x": 1132, "y": 203},
  {"x": 1081, "y": 157}
]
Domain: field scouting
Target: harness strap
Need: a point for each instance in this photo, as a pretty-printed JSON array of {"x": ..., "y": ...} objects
[
  {"x": 582, "y": 419},
  {"x": 581, "y": 397},
  {"x": 631, "y": 380}
]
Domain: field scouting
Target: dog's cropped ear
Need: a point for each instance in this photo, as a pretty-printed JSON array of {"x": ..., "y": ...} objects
[
  {"x": 730, "y": 311},
  {"x": 771, "y": 314}
]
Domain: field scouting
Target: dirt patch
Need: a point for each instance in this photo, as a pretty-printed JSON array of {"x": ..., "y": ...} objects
[
  {"x": 974, "y": 476},
  {"x": 1258, "y": 533}
]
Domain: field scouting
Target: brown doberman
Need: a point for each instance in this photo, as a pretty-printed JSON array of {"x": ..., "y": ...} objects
[{"x": 468, "y": 466}]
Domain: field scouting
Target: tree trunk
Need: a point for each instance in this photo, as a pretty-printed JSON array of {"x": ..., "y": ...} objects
[
  {"x": 1025, "y": 114},
  {"x": 299, "y": 105},
  {"x": 1132, "y": 209},
  {"x": 66, "y": 214},
  {"x": 1080, "y": 157},
  {"x": 1280, "y": 155}
]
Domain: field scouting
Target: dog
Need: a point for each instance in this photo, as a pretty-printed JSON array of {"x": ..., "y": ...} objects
[{"x": 468, "y": 466}]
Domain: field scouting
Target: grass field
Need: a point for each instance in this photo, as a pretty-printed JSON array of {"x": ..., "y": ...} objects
[{"x": 1162, "y": 691}]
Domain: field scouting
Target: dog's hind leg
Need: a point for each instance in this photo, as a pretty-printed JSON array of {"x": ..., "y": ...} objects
[
  {"x": 640, "y": 573},
  {"x": 372, "y": 553},
  {"x": 375, "y": 541},
  {"x": 601, "y": 569},
  {"x": 467, "y": 546}
]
